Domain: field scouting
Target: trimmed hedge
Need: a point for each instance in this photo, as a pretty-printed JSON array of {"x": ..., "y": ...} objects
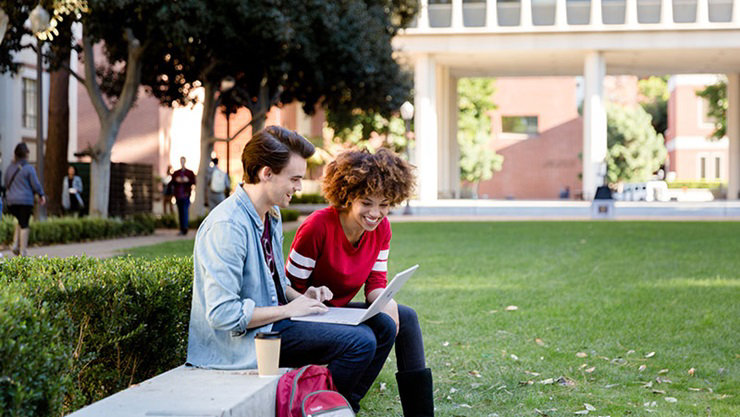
[
  {"x": 75, "y": 330},
  {"x": 73, "y": 229},
  {"x": 308, "y": 198},
  {"x": 696, "y": 184},
  {"x": 170, "y": 221}
]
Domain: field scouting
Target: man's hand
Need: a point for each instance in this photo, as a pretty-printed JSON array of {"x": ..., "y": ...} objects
[
  {"x": 42, "y": 200},
  {"x": 303, "y": 306},
  {"x": 320, "y": 294}
]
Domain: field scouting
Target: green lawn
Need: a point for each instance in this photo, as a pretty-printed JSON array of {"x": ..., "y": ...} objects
[{"x": 609, "y": 314}]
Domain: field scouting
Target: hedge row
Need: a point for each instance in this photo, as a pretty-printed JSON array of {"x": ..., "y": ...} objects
[
  {"x": 72, "y": 229},
  {"x": 170, "y": 221},
  {"x": 308, "y": 198},
  {"x": 697, "y": 184},
  {"x": 75, "y": 330}
]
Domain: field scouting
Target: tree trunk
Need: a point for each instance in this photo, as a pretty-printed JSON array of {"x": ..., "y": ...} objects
[
  {"x": 100, "y": 170},
  {"x": 55, "y": 158},
  {"x": 207, "y": 120}
]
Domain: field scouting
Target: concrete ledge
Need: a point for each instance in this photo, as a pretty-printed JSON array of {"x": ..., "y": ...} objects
[{"x": 186, "y": 391}]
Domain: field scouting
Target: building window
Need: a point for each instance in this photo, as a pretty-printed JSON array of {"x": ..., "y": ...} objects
[
  {"x": 519, "y": 124},
  {"x": 29, "y": 103},
  {"x": 703, "y": 167}
]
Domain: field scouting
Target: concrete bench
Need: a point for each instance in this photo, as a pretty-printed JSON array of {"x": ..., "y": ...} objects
[{"x": 186, "y": 391}]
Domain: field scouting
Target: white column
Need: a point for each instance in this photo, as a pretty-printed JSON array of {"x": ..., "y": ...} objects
[
  {"x": 453, "y": 149},
  {"x": 630, "y": 13},
  {"x": 736, "y": 11},
  {"x": 425, "y": 126},
  {"x": 733, "y": 133},
  {"x": 525, "y": 15},
  {"x": 702, "y": 12},
  {"x": 423, "y": 15},
  {"x": 491, "y": 14},
  {"x": 666, "y": 12},
  {"x": 561, "y": 14},
  {"x": 457, "y": 14},
  {"x": 596, "y": 19},
  {"x": 594, "y": 123}
]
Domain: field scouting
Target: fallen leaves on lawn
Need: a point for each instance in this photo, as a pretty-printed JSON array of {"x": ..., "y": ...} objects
[
  {"x": 589, "y": 407},
  {"x": 382, "y": 386},
  {"x": 539, "y": 341},
  {"x": 591, "y": 369},
  {"x": 445, "y": 343},
  {"x": 642, "y": 368},
  {"x": 670, "y": 399},
  {"x": 514, "y": 357},
  {"x": 659, "y": 391},
  {"x": 692, "y": 371},
  {"x": 662, "y": 371},
  {"x": 650, "y": 355},
  {"x": 475, "y": 373},
  {"x": 581, "y": 355},
  {"x": 453, "y": 390},
  {"x": 511, "y": 308},
  {"x": 532, "y": 373}
]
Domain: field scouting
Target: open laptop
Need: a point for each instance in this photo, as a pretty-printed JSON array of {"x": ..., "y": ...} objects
[{"x": 355, "y": 316}]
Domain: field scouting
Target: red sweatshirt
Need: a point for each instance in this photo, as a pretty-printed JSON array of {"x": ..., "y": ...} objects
[{"x": 321, "y": 254}]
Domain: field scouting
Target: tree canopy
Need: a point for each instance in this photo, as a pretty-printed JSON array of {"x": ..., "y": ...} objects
[
  {"x": 635, "y": 150},
  {"x": 716, "y": 97},
  {"x": 478, "y": 161}
]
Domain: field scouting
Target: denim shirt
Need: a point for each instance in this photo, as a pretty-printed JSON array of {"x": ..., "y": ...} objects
[{"x": 230, "y": 279}]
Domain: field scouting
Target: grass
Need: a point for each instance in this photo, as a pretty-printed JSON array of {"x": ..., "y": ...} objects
[{"x": 594, "y": 301}]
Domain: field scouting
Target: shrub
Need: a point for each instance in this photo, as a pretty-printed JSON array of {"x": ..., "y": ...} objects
[
  {"x": 73, "y": 229},
  {"x": 308, "y": 198},
  {"x": 83, "y": 329},
  {"x": 711, "y": 184},
  {"x": 289, "y": 215}
]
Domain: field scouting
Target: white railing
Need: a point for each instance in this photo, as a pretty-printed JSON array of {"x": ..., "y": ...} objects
[{"x": 437, "y": 16}]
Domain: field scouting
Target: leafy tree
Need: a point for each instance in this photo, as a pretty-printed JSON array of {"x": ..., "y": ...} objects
[
  {"x": 478, "y": 161},
  {"x": 716, "y": 96},
  {"x": 635, "y": 150},
  {"x": 655, "y": 95},
  {"x": 333, "y": 53}
]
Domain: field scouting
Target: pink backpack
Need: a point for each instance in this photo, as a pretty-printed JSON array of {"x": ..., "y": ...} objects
[{"x": 309, "y": 391}]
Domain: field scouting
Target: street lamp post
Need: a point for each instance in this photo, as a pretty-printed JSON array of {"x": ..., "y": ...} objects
[
  {"x": 407, "y": 113},
  {"x": 226, "y": 85},
  {"x": 39, "y": 18}
]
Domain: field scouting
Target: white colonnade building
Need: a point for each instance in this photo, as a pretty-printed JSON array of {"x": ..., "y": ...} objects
[{"x": 591, "y": 38}]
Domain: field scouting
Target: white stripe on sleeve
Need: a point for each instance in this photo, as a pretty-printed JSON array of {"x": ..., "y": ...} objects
[
  {"x": 298, "y": 272},
  {"x": 383, "y": 255},
  {"x": 301, "y": 260},
  {"x": 380, "y": 266}
]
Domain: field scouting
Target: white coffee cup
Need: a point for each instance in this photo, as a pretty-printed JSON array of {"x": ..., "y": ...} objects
[{"x": 267, "y": 345}]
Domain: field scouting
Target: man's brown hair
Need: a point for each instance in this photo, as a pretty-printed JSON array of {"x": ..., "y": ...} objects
[
  {"x": 271, "y": 147},
  {"x": 356, "y": 174}
]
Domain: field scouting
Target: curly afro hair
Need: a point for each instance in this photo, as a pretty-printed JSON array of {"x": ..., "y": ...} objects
[{"x": 356, "y": 174}]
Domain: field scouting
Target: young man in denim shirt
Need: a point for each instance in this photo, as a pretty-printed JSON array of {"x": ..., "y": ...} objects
[{"x": 240, "y": 288}]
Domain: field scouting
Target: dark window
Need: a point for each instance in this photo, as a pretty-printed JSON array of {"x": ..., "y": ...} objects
[
  {"x": 29, "y": 103},
  {"x": 519, "y": 124}
]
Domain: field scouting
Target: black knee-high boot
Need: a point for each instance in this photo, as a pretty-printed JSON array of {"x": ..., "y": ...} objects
[{"x": 417, "y": 392}]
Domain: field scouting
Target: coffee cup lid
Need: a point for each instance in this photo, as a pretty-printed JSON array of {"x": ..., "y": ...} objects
[{"x": 268, "y": 335}]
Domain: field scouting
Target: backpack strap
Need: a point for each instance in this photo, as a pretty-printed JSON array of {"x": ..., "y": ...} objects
[
  {"x": 295, "y": 383},
  {"x": 20, "y": 168}
]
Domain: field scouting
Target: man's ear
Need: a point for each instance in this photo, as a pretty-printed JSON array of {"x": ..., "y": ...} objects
[{"x": 265, "y": 173}]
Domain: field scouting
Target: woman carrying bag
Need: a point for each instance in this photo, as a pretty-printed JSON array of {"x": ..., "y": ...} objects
[
  {"x": 21, "y": 184},
  {"x": 72, "y": 192}
]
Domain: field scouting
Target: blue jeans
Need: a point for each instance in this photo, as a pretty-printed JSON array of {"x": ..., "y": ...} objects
[
  {"x": 354, "y": 354},
  {"x": 183, "y": 204}
]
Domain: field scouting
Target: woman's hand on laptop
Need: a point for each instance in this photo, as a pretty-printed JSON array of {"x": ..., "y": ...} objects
[{"x": 320, "y": 294}]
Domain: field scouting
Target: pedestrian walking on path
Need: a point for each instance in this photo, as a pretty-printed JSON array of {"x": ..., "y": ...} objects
[{"x": 22, "y": 185}]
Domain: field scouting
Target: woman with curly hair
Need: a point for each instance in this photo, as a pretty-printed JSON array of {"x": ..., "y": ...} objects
[{"x": 346, "y": 246}]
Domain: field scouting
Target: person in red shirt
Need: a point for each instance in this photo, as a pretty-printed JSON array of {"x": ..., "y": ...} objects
[
  {"x": 182, "y": 182},
  {"x": 346, "y": 246}
]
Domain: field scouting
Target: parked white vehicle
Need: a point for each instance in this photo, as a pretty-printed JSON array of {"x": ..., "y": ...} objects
[{"x": 643, "y": 191}]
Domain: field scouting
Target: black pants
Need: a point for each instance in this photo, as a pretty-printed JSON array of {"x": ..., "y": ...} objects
[{"x": 21, "y": 212}]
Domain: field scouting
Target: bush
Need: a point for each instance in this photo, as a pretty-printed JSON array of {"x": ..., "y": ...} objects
[
  {"x": 170, "y": 221},
  {"x": 75, "y": 330},
  {"x": 289, "y": 215},
  {"x": 697, "y": 184},
  {"x": 308, "y": 198},
  {"x": 73, "y": 229}
]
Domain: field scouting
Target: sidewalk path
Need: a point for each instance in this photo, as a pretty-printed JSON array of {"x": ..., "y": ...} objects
[{"x": 115, "y": 247}]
